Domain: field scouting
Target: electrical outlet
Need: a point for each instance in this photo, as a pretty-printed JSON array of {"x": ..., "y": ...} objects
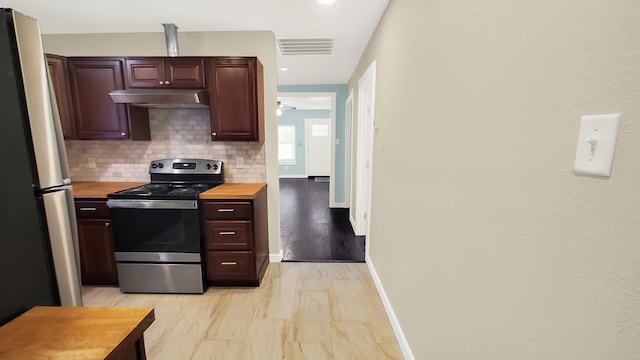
[
  {"x": 239, "y": 162},
  {"x": 91, "y": 163}
]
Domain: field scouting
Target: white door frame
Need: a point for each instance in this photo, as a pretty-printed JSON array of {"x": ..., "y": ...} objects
[
  {"x": 348, "y": 149},
  {"x": 365, "y": 155},
  {"x": 332, "y": 114},
  {"x": 307, "y": 131}
]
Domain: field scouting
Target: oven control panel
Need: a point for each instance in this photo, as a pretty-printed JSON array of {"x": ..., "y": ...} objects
[{"x": 185, "y": 166}]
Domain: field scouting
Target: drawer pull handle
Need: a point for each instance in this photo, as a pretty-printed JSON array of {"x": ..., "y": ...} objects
[
  {"x": 229, "y": 263},
  {"x": 226, "y": 210},
  {"x": 227, "y": 233},
  {"x": 88, "y": 209}
]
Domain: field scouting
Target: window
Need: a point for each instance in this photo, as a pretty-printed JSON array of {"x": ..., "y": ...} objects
[{"x": 287, "y": 144}]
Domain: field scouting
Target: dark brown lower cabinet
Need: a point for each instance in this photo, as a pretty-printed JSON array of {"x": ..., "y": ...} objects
[
  {"x": 237, "y": 241},
  {"x": 97, "y": 260}
]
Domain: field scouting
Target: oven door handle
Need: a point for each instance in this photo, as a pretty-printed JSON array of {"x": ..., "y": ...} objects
[{"x": 152, "y": 204}]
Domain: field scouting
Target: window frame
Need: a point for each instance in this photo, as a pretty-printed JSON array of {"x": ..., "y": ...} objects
[{"x": 292, "y": 161}]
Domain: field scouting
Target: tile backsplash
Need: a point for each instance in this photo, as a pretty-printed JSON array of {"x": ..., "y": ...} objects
[{"x": 174, "y": 133}]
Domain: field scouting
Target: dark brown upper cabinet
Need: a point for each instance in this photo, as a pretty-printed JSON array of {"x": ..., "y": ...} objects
[
  {"x": 176, "y": 73},
  {"x": 59, "y": 80},
  {"x": 236, "y": 97},
  {"x": 96, "y": 116}
]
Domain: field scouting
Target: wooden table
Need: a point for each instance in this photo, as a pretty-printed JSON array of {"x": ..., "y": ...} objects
[{"x": 53, "y": 332}]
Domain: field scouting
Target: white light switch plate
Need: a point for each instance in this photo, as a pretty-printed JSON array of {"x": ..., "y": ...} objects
[
  {"x": 239, "y": 162},
  {"x": 597, "y": 144}
]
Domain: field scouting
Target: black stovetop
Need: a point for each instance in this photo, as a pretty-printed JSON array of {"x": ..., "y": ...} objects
[
  {"x": 176, "y": 179},
  {"x": 163, "y": 191}
]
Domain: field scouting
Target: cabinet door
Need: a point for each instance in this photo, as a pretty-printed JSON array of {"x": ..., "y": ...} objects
[
  {"x": 145, "y": 73},
  {"x": 97, "y": 259},
  {"x": 184, "y": 73},
  {"x": 235, "y": 95},
  {"x": 58, "y": 71},
  {"x": 96, "y": 115}
]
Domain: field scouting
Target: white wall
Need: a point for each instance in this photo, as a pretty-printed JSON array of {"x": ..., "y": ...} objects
[
  {"x": 248, "y": 43},
  {"x": 488, "y": 246}
]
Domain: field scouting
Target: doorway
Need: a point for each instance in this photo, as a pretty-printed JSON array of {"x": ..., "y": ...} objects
[
  {"x": 314, "y": 226},
  {"x": 364, "y": 152}
]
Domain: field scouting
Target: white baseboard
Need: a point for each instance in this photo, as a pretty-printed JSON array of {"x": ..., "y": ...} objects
[
  {"x": 338, "y": 205},
  {"x": 293, "y": 176},
  {"x": 402, "y": 340},
  {"x": 276, "y": 257}
]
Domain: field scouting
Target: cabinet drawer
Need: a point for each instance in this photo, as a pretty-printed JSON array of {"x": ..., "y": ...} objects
[
  {"x": 228, "y": 235},
  {"x": 218, "y": 210},
  {"x": 92, "y": 210},
  {"x": 230, "y": 265}
]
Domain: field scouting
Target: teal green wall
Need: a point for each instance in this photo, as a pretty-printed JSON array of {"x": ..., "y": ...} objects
[
  {"x": 341, "y": 98},
  {"x": 296, "y": 117}
]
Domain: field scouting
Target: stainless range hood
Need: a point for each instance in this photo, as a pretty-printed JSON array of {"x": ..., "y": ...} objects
[{"x": 162, "y": 98}]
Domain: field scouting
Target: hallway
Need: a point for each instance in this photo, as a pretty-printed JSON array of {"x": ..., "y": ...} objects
[{"x": 311, "y": 231}]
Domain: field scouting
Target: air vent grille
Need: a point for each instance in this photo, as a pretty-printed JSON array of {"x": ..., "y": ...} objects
[{"x": 306, "y": 46}]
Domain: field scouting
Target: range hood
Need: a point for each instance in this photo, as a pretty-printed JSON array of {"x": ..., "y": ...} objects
[{"x": 162, "y": 98}]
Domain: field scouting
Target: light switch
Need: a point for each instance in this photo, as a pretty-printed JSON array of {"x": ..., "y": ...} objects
[
  {"x": 239, "y": 162},
  {"x": 597, "y": 144},
  {"x": 91, "y": 163}
]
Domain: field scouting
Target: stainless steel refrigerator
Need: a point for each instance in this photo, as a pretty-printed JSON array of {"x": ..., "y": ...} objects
[{"x": 39, "y": 261}]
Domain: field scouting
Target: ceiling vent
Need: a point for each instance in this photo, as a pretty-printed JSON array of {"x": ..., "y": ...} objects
[{"x": 306, "y": 46}]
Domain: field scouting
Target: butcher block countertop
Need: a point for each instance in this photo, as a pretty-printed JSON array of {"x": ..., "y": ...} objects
[
  {"x": 229, "y": 191},
  {"x": 53, "y": 332},
  {"x": 100, "y": 189},
  {"x": 234, "y": 191}
]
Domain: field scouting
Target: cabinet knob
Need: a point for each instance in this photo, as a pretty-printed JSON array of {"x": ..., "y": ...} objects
[
  {"x": 123, "y": 133},
  {"x": 213, "y": 134},
  {"x": 160, "y": 82},
  {"x": 167, "y": 82}
]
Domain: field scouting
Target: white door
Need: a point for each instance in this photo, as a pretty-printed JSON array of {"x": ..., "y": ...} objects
[
  {"x": 366, "y": 113},
  {"x": 318, "y": 146}
]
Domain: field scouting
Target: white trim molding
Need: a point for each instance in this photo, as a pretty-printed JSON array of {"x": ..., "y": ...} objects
[
  {"x": 276, "y": 257},
  {"x": 339, "y": 205},
  {"x": 395, "y": 324}
]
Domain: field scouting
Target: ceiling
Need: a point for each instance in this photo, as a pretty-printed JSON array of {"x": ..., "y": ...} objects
[{"x": 349, "y": 22}]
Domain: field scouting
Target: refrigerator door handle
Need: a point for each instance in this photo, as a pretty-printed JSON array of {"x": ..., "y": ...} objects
[
  {"x": 63, "y": 246},
  {"x": 62, "y": 150}
]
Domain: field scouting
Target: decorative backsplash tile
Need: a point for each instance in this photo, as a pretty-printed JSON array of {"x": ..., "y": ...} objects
[{"x": 174, "y": 133}]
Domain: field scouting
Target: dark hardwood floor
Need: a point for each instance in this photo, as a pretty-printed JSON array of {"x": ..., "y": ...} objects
[{"x": 311, "y": 231}]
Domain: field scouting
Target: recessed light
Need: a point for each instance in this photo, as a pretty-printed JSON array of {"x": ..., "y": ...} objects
[
  {"x": 326, "y": 2},
  {"x": 284, "y": 69}
]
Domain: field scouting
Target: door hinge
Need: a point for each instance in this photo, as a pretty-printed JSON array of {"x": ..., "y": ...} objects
[{"x": 364, "y": 216}]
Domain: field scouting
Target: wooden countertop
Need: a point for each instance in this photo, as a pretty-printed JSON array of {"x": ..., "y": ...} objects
[
  {"x": 234, "y": 191},
  {"x": 99, "y": 189},
  {"x": 52, "y": 332}
]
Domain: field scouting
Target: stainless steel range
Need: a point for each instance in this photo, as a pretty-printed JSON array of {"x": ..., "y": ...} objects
[{"x": 157, "y": 227}]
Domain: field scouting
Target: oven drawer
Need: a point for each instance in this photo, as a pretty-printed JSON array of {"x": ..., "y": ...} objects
[
  {"x": 92, "y": 210},
  {"x": 230, "y": 265},
  {"x": 228, "y": 235},
  {"x": 217, "y": 210},
  {"x": 160, "y": 278}
]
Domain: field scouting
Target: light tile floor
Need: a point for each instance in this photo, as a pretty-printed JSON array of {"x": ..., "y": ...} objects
[{"x": 301, "y": 311}]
